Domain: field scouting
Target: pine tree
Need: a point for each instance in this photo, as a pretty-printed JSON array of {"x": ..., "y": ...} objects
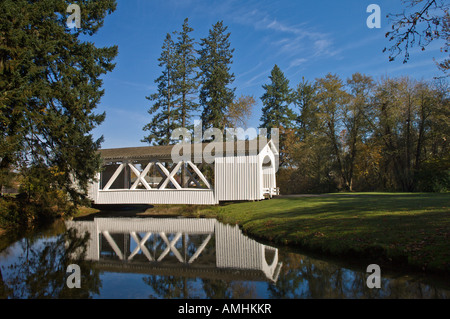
[
  {"x": 304, "y": 100},
  {"x": 276, "y": 111},
  {"x": 214, "y": 63},
  {"x": 276, "y": 100},
  {"x": 165, "y": 117},
  {"x": 49, "y": 88},
  {"x": 186, "y": 84}
]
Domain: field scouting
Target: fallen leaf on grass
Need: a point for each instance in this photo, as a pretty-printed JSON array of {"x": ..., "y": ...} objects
[{"x": 318, "y": 234}]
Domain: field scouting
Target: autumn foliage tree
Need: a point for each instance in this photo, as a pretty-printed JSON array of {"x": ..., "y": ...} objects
[
  {"x": 239, "y": 111},
  {"x": 364, "y": 135}
]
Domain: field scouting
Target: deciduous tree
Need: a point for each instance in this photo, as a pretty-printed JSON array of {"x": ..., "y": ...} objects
[
  {"x": 239, "y": 111},
  {"x": 331, "y": 98},
  {"x": 422, "y": 22}
]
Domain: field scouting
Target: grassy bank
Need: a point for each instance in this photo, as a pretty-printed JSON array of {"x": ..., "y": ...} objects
[{"x": 408, "y": 229}]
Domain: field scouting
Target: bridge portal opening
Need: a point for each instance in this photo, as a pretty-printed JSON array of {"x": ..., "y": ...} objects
[{"x": 268, "y": 170}]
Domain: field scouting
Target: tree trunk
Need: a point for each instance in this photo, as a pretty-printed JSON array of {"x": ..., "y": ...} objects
[
  {"x": 336, "y": 152},
  {"x": 5, "y": 165},
  {"x": 183, "y": 124},
  {"x": 408, "y": 176}
]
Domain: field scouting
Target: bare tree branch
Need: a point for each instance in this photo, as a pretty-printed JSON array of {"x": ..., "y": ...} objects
[{"x": 422, "y": 22}]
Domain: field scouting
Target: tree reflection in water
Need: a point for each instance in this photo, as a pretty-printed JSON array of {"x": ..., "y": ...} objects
[
  {"x": 40, "y": 271},
  {"x": 38, "y": 264},
  {"x": 175, "y": 287},
  {"x": 183, "y": 287},
  {"x": 220, "y": 289},
  {"x": 304, "y": 277}
]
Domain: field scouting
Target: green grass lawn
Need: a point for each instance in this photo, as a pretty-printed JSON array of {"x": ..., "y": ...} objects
[{"x": 412, "y": 229}]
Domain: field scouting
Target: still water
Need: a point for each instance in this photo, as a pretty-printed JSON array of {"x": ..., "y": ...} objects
[{"x": 147, "y": 257}]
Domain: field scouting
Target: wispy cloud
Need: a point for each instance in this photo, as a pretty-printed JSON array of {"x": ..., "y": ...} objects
[
  {"x": 278, "y": 39},
  {"x": 255, "y": 80},
  {"x": 288, "y": 41},
  {"x": 298, "y": 62},
  {"x": 252, "y": 70}
]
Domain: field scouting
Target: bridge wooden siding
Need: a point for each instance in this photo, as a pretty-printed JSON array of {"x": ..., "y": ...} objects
[{"x": 155, "y": 197}]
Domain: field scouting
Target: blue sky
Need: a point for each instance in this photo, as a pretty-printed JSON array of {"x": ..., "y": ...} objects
[{"x": 304, "y": 38}]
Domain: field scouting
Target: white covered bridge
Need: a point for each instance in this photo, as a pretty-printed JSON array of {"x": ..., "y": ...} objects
[
  {"x": 230, "y": 171},
  {"x": 188, "y": 247}
]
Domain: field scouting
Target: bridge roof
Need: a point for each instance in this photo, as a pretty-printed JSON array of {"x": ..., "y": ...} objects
[
  {"x": 183, "y": 270},
  {"x": 164, "y": 152}
]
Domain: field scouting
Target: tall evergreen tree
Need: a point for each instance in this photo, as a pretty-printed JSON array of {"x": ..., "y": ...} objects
[
  {"x": 164, "y": 110},
  {"x": 49, "y": 88},
  {"x": 214, "y": 63},
  {"x": 276, "y": 100},
  {"x": 304, "y": 100},
  {"x": 276, "y": 111},
  {"x": 186, "y": 83}
]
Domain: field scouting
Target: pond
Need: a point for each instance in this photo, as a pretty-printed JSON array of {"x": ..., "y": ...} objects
[{"x": 148, "y": 257}]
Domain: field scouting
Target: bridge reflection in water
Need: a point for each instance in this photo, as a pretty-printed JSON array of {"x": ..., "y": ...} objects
[{"x": 188, "y": 247}]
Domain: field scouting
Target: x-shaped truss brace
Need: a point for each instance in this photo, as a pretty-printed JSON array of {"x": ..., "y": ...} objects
[
  {"x": 141, "y": 246},
  {"x": 163, "y": 171},
  {"x": 199, "y": 174},
  {"x": 140, "y": 176},
  {"x": 170, "y": 176},
  {"x": 170, "y": 246}
]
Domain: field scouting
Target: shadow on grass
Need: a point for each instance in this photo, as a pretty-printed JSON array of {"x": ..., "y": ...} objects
[{"x": 343, "y": 204}]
